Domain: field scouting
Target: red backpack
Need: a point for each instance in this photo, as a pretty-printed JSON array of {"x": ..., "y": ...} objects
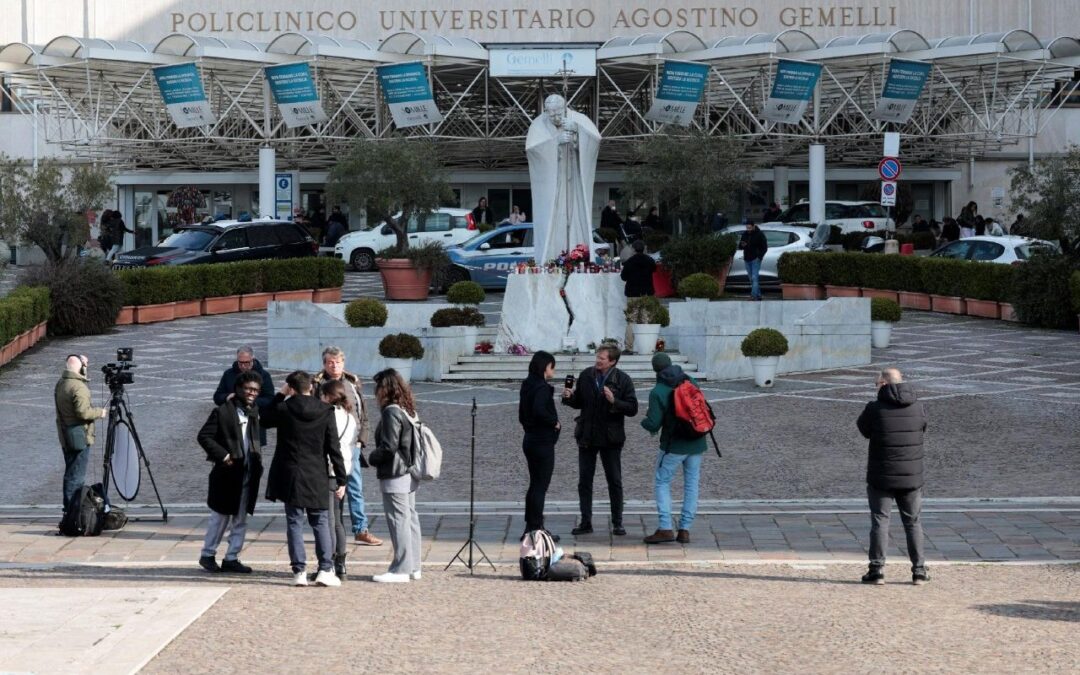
[{"x": 693, "y": 416}]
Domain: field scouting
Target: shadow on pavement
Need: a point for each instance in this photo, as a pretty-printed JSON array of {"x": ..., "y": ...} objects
[
  {"x": 1045, "y": 610},
  {"x": 713, "y": 574}
]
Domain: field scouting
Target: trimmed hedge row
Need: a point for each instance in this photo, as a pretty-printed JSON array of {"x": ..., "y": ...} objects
[
  {"x": 155, "y": 285},
  {"x": 21, "y": 310},
  {"x": 1074, "y": 289}
]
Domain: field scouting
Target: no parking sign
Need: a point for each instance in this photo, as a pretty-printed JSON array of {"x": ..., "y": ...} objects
[{"x": 888, "y": 193}]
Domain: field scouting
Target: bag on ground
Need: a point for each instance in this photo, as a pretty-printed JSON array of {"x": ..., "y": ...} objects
[
  {"x": 85, "y": 516},
  {"x": 537, "y": 550},
  {"x": 586, "y": 559},
  {"x": 428, "y": 455},
  {"x": 693, "y": 415},
  {"x": 567, "y": 569}
]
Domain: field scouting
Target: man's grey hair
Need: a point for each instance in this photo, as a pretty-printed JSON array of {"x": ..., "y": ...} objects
[
  {"x": 334, "y": 352},
  {"x": 246, "y": 349},
  {"x": 73, "y": 364},
  {"x": 892, "y": 375}
]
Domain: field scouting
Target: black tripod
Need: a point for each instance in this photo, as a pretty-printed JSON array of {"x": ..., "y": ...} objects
[
  {"x": 120, "y": 416},
  {"x": 471, "y": 563}
]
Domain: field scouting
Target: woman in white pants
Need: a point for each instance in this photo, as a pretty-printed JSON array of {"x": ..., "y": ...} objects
[
  {"x": 394, "y": 454},
  {"x": 333, "y": 392}
]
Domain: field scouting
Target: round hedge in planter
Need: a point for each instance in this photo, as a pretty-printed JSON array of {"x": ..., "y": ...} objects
[
  {"x": 764, "y": 342},
  {"x": 465, "y": 293},
  {"x": 646, "y": 310},
  {"x": 365, "y": 313},
  {"x": 699, "y": 285},
  {"x": 883, "y": 309},
  {"x": 401, "y": 346},
  {"x": 457, "y": 316}
]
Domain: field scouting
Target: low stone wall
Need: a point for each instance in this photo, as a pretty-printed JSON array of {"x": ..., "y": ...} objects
[
  {"x": 297, "y": 332},
  {"x": 821, "y": 334}
]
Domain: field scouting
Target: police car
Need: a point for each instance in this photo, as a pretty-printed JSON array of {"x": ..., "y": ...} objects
[{"x": 487, "y": 258}]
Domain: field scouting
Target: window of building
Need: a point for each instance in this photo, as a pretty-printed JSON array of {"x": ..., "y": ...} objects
[{"x": 7, "y": 104}]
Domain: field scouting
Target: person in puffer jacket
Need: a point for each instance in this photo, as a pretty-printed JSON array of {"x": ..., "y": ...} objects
[{"x": 895, "y": 424}]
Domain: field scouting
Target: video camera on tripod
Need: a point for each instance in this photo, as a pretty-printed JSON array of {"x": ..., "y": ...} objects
[{"x": 119, "y": 373}]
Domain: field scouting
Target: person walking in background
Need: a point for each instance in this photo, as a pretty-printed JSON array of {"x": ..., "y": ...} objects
[
  {"x": 652, "y": 221},
  {"x": 230, "y": 439},
  {"x": 333, "y": 393},
  {"x": 895, "y": 424},
  {"x": 771, "y": 214},
  {"x": 246, "y": 363},
  {"x": 75, "y": 418},
  {"x": 605, "y": 396},
  {"x": 540, "y": 422},
  {"x": 307, "y": 439},
  {"x": 637, "y": 272},
  {"x": 394, "y": 454},
  {"x": 116, "y": 228},
  {"x": 754, "y": 246},
  {"x": 673, "y": 453},
  {"x": 483, "y": 214}
]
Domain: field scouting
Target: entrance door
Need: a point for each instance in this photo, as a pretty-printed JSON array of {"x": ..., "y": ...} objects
[{"x": 501, "y": 200}]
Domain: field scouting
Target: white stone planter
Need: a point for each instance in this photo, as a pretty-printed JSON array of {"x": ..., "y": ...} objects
[
  {"x": 880, "y": 333},
  {"x": 403, "y": 366},
  {"x": 764, "y": 369},
  {"x": 471, "y": 334},
  {"x": 645, "y": 335}
]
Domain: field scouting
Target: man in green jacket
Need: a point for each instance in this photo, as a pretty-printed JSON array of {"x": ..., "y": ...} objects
[
  {"x": 673, "y": 453},
  {"x": 75, "y": 419}
]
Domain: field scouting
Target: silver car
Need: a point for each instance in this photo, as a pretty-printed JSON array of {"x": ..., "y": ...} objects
[{"x": 781, "y": 239}]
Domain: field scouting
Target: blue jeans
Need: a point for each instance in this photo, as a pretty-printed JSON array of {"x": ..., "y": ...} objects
[
  {"x": 753, "y": 269},
  {"x": 355, "y": 491},
  {"x": 319, "y": 519},
  {"x": 667, "y": 464},
  {"x": 76, "y": 457}
]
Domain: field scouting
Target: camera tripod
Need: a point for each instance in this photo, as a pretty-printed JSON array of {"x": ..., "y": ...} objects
[
  {"x": 471, "y": 563},
  {"x": 121, "y": 421}
]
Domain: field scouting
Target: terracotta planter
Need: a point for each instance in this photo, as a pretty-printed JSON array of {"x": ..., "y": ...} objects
[
  {"x": 948, "y": 304},
  {"x": 293, "y": 296},
  {"x": 187, "y": 308},
  {"x": 878, "y": 293},
  {"x": 254, "y": 302},
  {"x": 22, "y": 342},
  {"x": 988, "y": 309},
  {"x": 842, "y": 291},
  {"x": 326, "y": 295},
  {"x": 721, "y": 276},
  {"x": 402, "y": 281},
  {"x": 42, "y": 330},
  {"x": 126, "y": 317},
  {"x": 7, "y": 352},
  {"x": 802, "y": 292},
  {"x": 165, "y": 311},
  {"x": 225, "y": 304},
  {"x": 910, "y": 300},
  {"x": 1007, "y": 312}
]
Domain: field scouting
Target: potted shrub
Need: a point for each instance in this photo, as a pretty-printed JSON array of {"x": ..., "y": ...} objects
[
  {"x": 219, "y": 285},
  {"x": 764, "y": 347},
  {"x": 699, "y": 286},
  {"x": 647, "y": 316},
  {"x": 153, "y": 291},
  {"x": 465, "y": 293},
  {"x": 365, "y": 313},
  {"x": 331, "y": 279},
  {"x": 944, "y": 280},
  {"x": 470, "y": 319},
  {"x": 883, "y": 314},
  {"x": 800, "y": 276},
  {"x": 292, "y": 280},
  {"x": 187, "y": 291},
  {"x": 254, "y": 296},
  {"x": 980, "y": 290},
  {"x": 881, "y": 276},
  {"x": 407, "y": 274},
  {"x": 840, "y": 273},
  {"x": 705, "y": 253},
  {"x": 400, "y": 350},
  {"x": 911, "y": 293}
]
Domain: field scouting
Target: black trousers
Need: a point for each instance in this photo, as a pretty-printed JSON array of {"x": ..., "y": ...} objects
[
  {"x": 540, "y": 456},
  {"x": 611, "y": 458}
]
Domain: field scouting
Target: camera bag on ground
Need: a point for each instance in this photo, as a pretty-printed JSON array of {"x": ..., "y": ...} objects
[
  {"x": 537, "y": 548},
  {"x": 113, "y": 518},
  {"x": 86, "y": 514},
  {"x": 428, "y": 464},
  {"x": 587, "y": 560},
  {"x": 567, "y": 569}
]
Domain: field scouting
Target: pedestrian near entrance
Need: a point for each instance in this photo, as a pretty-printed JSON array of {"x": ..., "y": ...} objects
[
  {"x": 540, "y": 422},
  {"x": 673, "y": 453},
  {"x": 605, "y": 396},
  {"x": 637, "y": 272},
  {"x": 230, "y": 438},
  {"x": 75, "y": 418},
  {"x": 754, "y": 246},
  {"x": 246, "y": 363},
  {"x": 307, "y": 439},
  {"x": 517, "y": 216},
  {"x": 482, "y": 214},
  {"x": 609, "y": 217},
  {"x": 895, "y": 424},
  {"x": 334, "y": 393}
]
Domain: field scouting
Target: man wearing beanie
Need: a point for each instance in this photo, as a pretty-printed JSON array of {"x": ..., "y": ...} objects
[{"x": 673, "y": 453}]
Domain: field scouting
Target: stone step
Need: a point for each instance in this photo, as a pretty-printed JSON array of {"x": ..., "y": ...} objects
[
  {"x": 560, "y": 366},
  {"x": 628, "y": 360},
  {"x": 639, "y": 376}
]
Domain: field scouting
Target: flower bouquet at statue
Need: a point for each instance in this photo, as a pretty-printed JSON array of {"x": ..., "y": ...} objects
[{"x": 568, "y": 261}]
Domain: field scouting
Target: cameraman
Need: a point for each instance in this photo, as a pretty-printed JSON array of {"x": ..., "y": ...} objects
[{"x": 75, "y": 419}]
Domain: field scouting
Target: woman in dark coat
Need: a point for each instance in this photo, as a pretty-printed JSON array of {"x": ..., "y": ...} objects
[{"x": 536, "y": 413}]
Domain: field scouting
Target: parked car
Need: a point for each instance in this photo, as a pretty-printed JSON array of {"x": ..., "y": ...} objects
[
  {"x": 488, "y": 257},
  {"x": 449, "y": 226},
  {"x": 1007, "y": 249},
  {"x": 781, "y": 239},
  {"x": 848, "y": 216},
  {"x": 224, "y": 241}
]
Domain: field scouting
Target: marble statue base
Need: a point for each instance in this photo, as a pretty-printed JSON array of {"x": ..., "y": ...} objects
[{"x": 534, "y": 315}]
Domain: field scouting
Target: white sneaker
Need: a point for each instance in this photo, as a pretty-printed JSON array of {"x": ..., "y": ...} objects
[
  {"x": 391, "y": 578},
  {"x": 415, "y": 576},
  {"x": 299, "y": 579},
  {"x": 327, "y": 578}
]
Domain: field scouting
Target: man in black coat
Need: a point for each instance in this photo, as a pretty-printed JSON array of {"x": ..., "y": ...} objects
[
  {"x": 605, "y": 396},
  {"x": 637, "y": 272},
  {"x": 246, "y": 363},
  {"x": 609, "y": 217},
  {"x": 307, "y": 440},
  {"x": 895, "y": 424},
  {"x": 230, "y": 439}
]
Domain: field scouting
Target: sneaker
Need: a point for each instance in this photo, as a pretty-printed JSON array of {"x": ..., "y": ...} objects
[
  {"x": 618, "y": 530},
  {"x": 235, "y": 566},
  {"x": 660, "y": 537},
  {"x": 367, "y": 539},
  {"x": 327, "y": 578},
  {"x": 874, "y": 576},
  {"x": 208, "y": 563},
  {"x": 584, "y": 528},
  {"x": 920, "y": 578},
  {"x": 299, "y": 578},
  {"x": 415, "y": 576},
  {"x": 683, "y": 537},
  {"x": 392, "y": 578}
]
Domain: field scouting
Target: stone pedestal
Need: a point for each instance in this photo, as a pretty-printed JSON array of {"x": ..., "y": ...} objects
[{"x": 534, "y": 315}]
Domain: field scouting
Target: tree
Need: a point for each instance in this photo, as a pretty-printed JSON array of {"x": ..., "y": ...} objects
[
  {"x": 695, "y": 174},
  {"x": 387, "y": 177},
  {"x": 1048, "y": 193},
  {"x": 48, "y": 207}
]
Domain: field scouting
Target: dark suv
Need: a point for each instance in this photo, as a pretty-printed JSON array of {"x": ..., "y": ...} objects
[{"x": 224, "y": 241}]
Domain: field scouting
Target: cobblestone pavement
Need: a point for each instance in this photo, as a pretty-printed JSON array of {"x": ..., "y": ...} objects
[{"x": 692, "y": 619}]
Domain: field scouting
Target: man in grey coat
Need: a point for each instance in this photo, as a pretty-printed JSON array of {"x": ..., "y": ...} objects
[{"x": 895, "y": 424}]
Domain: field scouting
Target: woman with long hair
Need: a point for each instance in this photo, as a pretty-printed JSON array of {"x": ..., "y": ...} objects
[
  {"x": 394, "y": 454},
  {"x": 333, "y": 393},
  {"x": 536, "y": 413}
]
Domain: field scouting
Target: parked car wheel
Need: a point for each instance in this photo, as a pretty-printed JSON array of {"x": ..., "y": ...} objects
[{"x": 363, "y": 260}]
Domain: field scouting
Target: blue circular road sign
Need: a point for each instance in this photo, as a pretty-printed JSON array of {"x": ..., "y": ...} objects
[{"x": 889, "y": 168}]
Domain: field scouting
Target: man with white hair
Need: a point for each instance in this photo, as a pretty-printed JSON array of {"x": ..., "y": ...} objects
[
  {"x": 75, "y": 418},
  {"x": 245, "y": 363}
]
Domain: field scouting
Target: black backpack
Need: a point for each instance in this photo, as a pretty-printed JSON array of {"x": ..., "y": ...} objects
[{"x": 85, "y": 516}]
